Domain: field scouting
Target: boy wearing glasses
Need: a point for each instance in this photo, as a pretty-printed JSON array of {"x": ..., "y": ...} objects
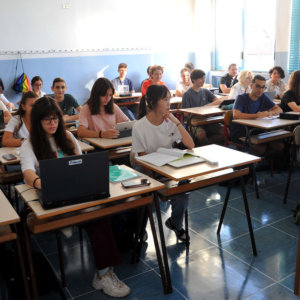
[
  {"x": 66, "y": 102},
  {"x": 252, "y": 106}
]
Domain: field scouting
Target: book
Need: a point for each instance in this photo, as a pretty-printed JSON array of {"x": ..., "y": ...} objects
[
  {"x": 165, "y": 156},
  {"x": 120, "y": 174}
]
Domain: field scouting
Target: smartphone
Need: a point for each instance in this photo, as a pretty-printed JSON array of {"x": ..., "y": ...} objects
[
  {"x": 135, "y": 183},
  {"x": 9, "y": 156}
]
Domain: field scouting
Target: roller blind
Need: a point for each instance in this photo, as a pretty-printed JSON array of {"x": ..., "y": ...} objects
[{"x": 294, "y": 55}]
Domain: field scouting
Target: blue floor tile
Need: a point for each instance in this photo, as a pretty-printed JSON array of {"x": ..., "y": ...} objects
[
  {"x": 289, "y": 282},
  {"x": 215, "y": 274},
  {"x": 274, "y": 292},
  {"x": 276, "y": 252}
]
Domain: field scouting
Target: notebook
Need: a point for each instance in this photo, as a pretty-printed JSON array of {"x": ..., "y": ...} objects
[
  {"x": 74, "y": 179},
  {"x": 125, "y": 128}
]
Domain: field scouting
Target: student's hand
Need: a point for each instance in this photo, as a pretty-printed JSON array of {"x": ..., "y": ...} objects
[
  {"x": 110, "y": 134},
  {"x": 10, "y": 105},
  {"x": 262, "y": 114},
  {"x": 171, "y": 117},
  {"x": 66, "y": 117}
]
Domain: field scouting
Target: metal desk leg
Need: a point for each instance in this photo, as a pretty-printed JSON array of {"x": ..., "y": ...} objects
[
  {"x": 163, "y": 244},
  {"x": 224, "y": 209},
  {"x": 157, "y": 249},
  {"x": 248, "y": 216}
]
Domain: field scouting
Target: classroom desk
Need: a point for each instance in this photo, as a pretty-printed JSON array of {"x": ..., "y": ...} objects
[
  {"x": 16, "y": 151},
  {"x": 226, "y": 159},
  {"x": 264, "y": 124},
  {"x": 128, "y": 100},
  {"x": 9, "y": 218},
  {"x": 120, "y": 199},
  {"x": 109, "y": 143}
]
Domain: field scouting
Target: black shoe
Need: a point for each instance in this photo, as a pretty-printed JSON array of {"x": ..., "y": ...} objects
[{"x": 181, "y": 234}]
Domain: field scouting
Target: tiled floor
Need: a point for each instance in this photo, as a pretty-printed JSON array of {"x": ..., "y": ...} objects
[{"x": 213, "y": 268}]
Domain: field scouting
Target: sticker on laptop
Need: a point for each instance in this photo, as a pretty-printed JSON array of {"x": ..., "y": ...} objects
[{"x": 75, "y": 162}]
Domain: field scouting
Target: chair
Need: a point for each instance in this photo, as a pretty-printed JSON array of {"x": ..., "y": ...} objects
[{"x": 295, "y": 147}]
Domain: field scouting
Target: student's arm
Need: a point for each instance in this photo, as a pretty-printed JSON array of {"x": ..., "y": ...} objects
[
  {"x": 7, "y": 116},
  {"x": 294, "y": 107},
  {"x": 275, "y": 110},
  {"x": 108, "y": 134},
  {"x": 224, "y": 89},
  {"x": 185, "y": 136},
  {"x": 178, "y": 93},
  {"x": 8, "y": 140},
  {"x": 31, "y": 177}
]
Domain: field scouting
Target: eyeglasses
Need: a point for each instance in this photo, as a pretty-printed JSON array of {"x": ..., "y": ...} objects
[
  {"x": 49, "y": 120},
  {"x": 263, "y": 87}
]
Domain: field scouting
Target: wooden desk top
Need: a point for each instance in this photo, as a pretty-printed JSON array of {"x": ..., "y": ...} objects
[
  {"x": 203, "y": 110},
  {"x": 117, "y": 192},
  {"x": 109, "y": 143},
  {"x": 266, "y": 124},
  {"x": 16, "y": 151},
  {"x": 176, "y": 100},
  {"x": 134, "y": 95},
  {"x": 7, "y": 213},
  {"x": 226, "y": 158}
]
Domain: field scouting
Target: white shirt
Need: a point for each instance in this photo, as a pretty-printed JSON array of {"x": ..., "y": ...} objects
[
  {"x": 238, "y": 89},
  {"x": 147, "y": 137},
  {"x": 279, "y": 89},
  {"x": 28, "y": 158},
  {"x": 3, "y": 99},
  {"x": 181, "y": 87},
  {"x": 13, "y": 125}
]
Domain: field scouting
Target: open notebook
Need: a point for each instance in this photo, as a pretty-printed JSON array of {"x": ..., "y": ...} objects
[{"x": 173, "y": 157}]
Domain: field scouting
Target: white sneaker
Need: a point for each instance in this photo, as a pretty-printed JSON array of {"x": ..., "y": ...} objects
[{"x": 110, "y": 284}]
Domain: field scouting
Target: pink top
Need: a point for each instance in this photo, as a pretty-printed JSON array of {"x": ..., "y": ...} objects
[{"x": 102, "y": 121}]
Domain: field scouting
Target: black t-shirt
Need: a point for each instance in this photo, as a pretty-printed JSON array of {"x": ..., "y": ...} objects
[
  {"x": 288, "y": 97},
  {"x": 228, "y": 81}
]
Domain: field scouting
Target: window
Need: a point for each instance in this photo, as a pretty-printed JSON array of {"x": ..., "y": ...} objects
[
  {"x": 245, "y": 33},
  {"x": 294, "y": 55}
]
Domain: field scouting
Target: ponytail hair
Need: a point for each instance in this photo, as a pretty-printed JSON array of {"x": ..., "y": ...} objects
[{"x": 149, "y": 101}]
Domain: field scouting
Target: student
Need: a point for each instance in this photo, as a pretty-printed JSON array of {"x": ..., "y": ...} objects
[
  {"x": 148, "y": 73},
  {"x": 156, "y": 74},
  {"x": 197, "y": 96},
  {"x": 100, "y": 114},
  {"x": 18, "y": 127},
  {"x": 185, "y": 82},
  {"x": 291, "y": 98},
  {"x": 160, "y": 128},
  {"x": 6, "y": 113},
  {"x": 243, "y": 84},
  {"x": 66, "y": 102},
  {"x": 49, "y": 139},
  {"x": 276, "y": 83},
  {"x": 251, "y": 106},
  {"x": 122, "y": 81},
  {"x": 3, "y": 99},
  {"x": 189, "y": 66},
  {"x": 229, "y": 79},
  {"x": 124, "y": 85},
  {"x": 37, "y": 84}
]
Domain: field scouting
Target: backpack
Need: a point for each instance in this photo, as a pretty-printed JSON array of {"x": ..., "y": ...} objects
[{"x": 22, "y": 83}]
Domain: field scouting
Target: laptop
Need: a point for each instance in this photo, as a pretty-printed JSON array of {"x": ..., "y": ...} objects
[
  {"x": 225, "y": 104},
  {"x": 123, "y": 91},
  {"x": 74, "y": 179},
  {"x": 125, "y": 128},
  {"x": 271, "y": 95},
  {"x": 2, "y": 124}
]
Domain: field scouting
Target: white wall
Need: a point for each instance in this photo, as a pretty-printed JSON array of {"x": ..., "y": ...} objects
[{"x": 44, "y": 25}]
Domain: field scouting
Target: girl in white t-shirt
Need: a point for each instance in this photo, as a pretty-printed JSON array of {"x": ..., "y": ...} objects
[
  {"x": 18, "y": 127},
  {"x": 37, "y": 85},
  {"x": 49, "y": 139},
  {"x": 160, "y": 128}
]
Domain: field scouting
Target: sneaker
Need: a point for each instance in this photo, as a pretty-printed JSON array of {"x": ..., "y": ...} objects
[
  {"x": 110, "y": 284},
  {"x": 181, "y": 234}
]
